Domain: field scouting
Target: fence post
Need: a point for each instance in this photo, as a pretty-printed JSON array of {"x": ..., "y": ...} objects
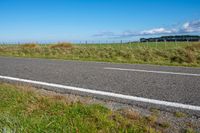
[
  {"x": 175, "y": 43},
  {"x": 156, "y": 43},
  {"x": 120, "y": 44}
]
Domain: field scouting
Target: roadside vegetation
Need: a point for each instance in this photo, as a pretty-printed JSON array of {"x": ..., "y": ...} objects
[
  {"x": 180, "y": 114},
  {"x": 23, "y": 109},
  {"x": 161, "y": 53}
]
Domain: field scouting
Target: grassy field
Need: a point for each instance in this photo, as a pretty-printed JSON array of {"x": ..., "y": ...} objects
[
  {"x": 23, "y": 109},
  {"x": 161, "y": 53}
]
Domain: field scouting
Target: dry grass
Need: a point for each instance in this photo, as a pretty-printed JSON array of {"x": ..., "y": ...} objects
[
  {"x": 178, "y": 56},
  {"x": 130, "y": 114},
  {"x": 195, "y": 46},
  {"x": 29, "y": 45},
  {"x": 62, "y": 45}
]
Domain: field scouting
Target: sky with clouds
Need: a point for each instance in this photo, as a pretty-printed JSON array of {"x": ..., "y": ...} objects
[
  {"x": 189, "y": 27},
  {"x": 76, "y": 20}
]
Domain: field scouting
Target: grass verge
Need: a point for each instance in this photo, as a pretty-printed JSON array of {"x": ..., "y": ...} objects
[
  {"x": 181, "y": 54},
  {"x": 25, "y": 110}
]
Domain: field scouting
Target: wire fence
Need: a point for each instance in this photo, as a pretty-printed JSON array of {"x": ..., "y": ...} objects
[
  {"x": 72, "y": 41},
  {"x": 128, "y": 43}
]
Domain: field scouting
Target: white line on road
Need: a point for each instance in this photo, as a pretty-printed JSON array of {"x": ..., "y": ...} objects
[
  {"x": 147, "y": 71},
  {"x": 109, "y": 94}
]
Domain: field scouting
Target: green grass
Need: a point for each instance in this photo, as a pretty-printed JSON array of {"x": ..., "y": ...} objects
[
  {"x": 24, "y": 110},
  {"x": 161, "y": 53},
  {"x": 180, "y": 114},
  {"x": 190, "y": 130}
]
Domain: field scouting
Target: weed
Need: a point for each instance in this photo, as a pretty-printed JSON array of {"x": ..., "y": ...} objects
[
  {"x": 180, "y": 114},
  {"x": 155, "y": 111},
  {"x": 151, "y": 119},
  {"x": 189, "y": 130}
]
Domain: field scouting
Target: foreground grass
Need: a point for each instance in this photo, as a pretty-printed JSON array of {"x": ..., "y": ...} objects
[
  {"x": 180, "y": 54},
  {"x": 22, "y": 110}
]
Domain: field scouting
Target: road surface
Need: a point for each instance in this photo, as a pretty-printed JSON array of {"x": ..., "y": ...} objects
[{"x": 163, "y": 83}]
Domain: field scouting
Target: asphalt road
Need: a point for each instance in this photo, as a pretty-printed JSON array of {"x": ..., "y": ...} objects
[{"x": 173, "y": 84}]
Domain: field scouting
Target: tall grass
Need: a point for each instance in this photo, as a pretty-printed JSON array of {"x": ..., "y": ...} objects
[{"x": 181, "y": 53}]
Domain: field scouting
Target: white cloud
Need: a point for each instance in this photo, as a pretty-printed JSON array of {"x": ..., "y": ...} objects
[
  {"x": 187, "y": 27},
  {"x": 157, "y": 31},
  {"x": 193, "y": 26}
]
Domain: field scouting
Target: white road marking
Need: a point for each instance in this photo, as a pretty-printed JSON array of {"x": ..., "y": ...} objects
[
  {"x": 147, "y": 71},
  {"x": 109, "y": 94}
]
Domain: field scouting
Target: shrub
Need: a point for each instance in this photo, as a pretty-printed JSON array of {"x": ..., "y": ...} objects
[
  {"x": 29, "y": 45},
  {"x": 63, "y": 45}
]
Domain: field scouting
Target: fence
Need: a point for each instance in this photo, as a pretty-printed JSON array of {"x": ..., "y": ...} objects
[{"x": 129, "y": 43}]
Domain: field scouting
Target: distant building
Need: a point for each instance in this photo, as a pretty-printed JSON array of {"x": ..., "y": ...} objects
[{"x": 180, "y": 38}]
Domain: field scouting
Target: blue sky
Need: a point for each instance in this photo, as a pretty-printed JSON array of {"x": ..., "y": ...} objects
[{"x": 70, "y": 20}]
